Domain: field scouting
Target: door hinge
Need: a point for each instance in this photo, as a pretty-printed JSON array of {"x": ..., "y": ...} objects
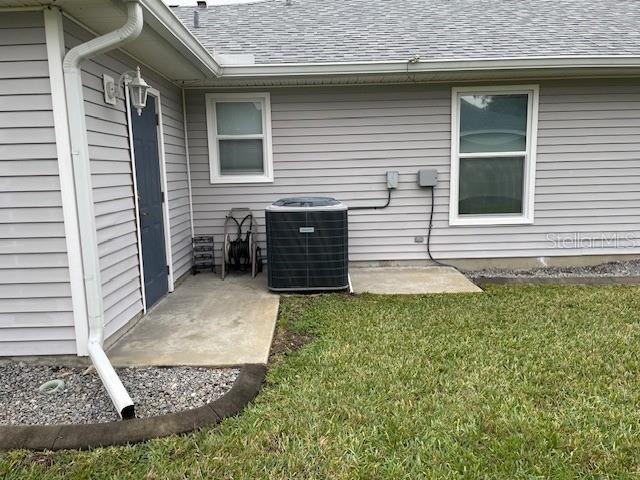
[
  {"x": 167, "y": 269},
  {"x": 162, "y": 194},
  {"x": 157, "y": 119}
]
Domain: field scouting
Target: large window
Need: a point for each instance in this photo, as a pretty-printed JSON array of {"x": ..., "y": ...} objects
[
  {"x": 239, "y": 132},
  {"x": 493, "y": 155}
]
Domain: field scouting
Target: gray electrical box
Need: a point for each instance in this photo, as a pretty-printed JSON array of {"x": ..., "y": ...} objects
[
  {"x": 392, "y": 179},
  {"x": 427, "y": 177}
]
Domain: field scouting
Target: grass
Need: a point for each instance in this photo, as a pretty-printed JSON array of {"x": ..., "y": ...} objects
[{"x": 519, "y": 382}]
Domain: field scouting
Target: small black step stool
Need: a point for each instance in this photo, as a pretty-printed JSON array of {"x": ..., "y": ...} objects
[{"x": 204, "y": 257}]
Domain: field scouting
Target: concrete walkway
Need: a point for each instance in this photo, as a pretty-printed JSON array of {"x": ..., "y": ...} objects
[
  {"x": 408, "y": 280},
  {"x": 204, "y": 322}
]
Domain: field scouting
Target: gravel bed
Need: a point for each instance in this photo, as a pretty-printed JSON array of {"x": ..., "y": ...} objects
[
  {"x": 154, "y": 390},
  {"x": 629, "y": 268}
]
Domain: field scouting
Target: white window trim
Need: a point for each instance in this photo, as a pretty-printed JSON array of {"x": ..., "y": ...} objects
[
  {"x": 527, "y": 215},
  {"x": 213, "y": 137}
]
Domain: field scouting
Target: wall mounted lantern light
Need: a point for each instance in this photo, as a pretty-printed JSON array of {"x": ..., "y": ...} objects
[{"x": 138, "y": 89}]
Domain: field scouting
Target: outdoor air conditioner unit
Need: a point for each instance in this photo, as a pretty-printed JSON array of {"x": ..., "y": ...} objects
[{"x": 307, "y": 244}]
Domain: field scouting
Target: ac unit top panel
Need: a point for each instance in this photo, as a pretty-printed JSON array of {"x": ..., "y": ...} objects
[{"x": 296, "y": 204}]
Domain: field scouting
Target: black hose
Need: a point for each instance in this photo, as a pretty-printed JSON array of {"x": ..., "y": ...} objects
[
  {"x": 378, "y": 207},
  {"x": 239, "y": 254},
  {"x": 437, "y": 262}
]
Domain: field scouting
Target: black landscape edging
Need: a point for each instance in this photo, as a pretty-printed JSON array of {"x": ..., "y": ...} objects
[
  {"x": 576, "y": 280},
  {"x": 90, "y": 435}
]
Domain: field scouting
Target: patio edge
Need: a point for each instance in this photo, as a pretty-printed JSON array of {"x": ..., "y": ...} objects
[{"x": 91, "y": 435}]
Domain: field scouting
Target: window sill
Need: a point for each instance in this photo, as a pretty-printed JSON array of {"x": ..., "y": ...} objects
[
  {"x": 489, "y": 221},
  {"x": 236, "y": 179}
]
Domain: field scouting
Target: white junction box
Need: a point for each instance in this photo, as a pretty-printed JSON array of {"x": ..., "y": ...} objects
[{"x": 392, "y": 179}]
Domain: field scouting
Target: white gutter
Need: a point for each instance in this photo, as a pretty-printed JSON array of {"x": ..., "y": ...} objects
[
  {"x": 84, "y": 194},
  {"x": 429, "y": 66}
]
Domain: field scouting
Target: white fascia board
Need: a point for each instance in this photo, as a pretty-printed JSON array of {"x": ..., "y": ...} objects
[
  {"x": 428, "y": 66},
  {"x": 162, "y": 16}
]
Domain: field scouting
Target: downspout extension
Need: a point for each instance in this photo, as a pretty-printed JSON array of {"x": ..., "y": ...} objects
[{"x": 84, "y": 195}]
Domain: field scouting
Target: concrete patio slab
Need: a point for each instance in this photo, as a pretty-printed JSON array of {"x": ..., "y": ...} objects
[
  {"x": 204, "y": 322},
  {"x": 410, "y": 280}
]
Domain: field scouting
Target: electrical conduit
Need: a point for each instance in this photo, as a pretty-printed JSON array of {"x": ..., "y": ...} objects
[{"x": 84, "y": 195}]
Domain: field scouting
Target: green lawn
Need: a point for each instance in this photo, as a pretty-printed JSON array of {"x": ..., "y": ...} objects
[{"x": 519, "y": 382}]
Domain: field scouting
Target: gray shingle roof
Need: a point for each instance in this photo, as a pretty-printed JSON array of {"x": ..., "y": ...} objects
[{"x": 317, "y": 31}]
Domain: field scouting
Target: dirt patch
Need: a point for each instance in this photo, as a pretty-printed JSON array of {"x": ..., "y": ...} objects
[
  {"x": 286, "y": 342},
  {"x": 40, "y": 460}
]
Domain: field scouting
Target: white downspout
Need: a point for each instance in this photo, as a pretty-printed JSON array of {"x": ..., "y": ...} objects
[{"x": 84, "y": 195}]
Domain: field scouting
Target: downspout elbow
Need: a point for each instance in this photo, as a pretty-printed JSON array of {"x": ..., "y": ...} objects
[{"x": 128, "y": 32}]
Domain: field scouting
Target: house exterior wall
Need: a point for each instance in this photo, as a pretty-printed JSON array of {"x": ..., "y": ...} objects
[
  {"x": 112, "y": 177},
  {"x": 36, "y": 312},
  {"x": 340, "y": 141}
]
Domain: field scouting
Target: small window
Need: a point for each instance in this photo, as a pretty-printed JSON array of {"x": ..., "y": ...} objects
[
  {"x": 239, "y": 131},
  {"x": 493, "y": 155}
]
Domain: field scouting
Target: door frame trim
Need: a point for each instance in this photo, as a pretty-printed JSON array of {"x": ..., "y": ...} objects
[{"x": 163, "y": 186}]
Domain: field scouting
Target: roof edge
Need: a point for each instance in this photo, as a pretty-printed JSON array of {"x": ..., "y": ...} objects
[
  {"x": 166, "y": 20},
  {"x": 428, "y": 66}
]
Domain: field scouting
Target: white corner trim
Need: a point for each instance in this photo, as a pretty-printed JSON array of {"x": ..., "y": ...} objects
[
  {"x": 212, "y": 137},
  {"x": 54, "y": 34},
  {"x": 186, "y": 154},
  {"x": 527, "y": 216}
]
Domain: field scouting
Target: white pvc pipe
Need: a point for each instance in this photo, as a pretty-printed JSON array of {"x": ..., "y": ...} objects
[{"x": 84, "y": 195}]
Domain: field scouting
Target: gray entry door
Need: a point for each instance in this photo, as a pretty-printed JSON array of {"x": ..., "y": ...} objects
[{"x": 150, "y": 200}]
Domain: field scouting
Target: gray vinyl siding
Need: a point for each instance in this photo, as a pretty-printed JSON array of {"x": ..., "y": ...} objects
[
  {"x": 340, "y": 141},
  {"x": 36, "y": 314},
  {"x": 112, "y": 178},
  {"x": 177, "y": 180}
]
